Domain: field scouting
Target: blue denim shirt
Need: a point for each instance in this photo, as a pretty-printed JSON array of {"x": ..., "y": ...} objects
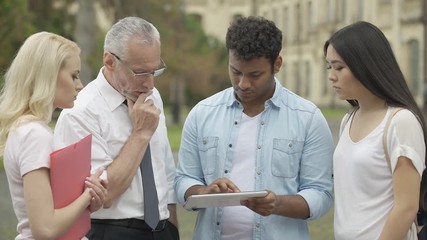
[{"x": 294, "y": 156}]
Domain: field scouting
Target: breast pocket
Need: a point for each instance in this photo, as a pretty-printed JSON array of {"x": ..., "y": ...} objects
[
  {"x": 286, "y": 157},
  {"x": 208, "y": 148}
]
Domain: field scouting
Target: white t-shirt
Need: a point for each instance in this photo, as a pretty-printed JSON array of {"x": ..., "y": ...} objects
[
  {"x": 238, "y": 221},
  {"x": 362, "y": 178},
  {"x": 28, "y": 147}
]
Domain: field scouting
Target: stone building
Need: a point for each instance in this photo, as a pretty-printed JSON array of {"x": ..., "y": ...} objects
[{"x": 306, "y": 24}]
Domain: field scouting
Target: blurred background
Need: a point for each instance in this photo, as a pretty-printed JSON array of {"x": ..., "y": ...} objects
[{"x": 193, "y": 36}]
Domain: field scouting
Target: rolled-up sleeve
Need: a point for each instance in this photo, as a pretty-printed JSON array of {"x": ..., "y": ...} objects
[
  {"x": 189, "y": 171},
  {"x": 316, "y": 180}
]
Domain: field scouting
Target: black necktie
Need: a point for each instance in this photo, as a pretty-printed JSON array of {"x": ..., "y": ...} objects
[{"x": 151, "y": 202}]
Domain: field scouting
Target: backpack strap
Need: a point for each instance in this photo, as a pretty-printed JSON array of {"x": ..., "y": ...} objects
[
  {"x": 394, "y": 110},
  {"x": 414, "y": 227}
]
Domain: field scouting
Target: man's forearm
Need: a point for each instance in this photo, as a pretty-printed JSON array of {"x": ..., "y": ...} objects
[
  {"x": 193, "y": 190},
  {"x": 293, "y": 206},
  {"x": 122, "y": 170}
]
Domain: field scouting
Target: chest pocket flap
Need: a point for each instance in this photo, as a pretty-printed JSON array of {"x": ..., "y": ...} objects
[
  {"x": 208, "y": 148},
  {"x": 286, "y": 157}
]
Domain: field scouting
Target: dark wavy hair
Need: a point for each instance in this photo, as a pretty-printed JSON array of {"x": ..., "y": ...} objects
[
  {"x": 368, "y": 54},
  {"x": 254, "y": 37}
]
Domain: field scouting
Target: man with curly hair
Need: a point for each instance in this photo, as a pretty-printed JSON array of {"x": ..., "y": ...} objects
[{"x": 256, "y": 135}]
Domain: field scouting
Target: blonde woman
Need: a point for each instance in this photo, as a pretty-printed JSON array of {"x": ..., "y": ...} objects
[{"x": 43, "y": 76}]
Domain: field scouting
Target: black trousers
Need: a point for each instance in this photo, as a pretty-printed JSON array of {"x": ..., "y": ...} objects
[
  {"x": 129, "y": 229},
  {"x": 422, "y": 235}
]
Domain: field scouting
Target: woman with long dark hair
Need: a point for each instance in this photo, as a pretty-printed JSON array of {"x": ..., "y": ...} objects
[{"x": 374, "y": 198}]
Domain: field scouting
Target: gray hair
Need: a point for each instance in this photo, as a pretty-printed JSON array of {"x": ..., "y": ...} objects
[{"x": 118, "y": 37}]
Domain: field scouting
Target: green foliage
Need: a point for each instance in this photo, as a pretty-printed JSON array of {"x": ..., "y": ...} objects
[
  {"x": 197, "y": 63},
  {"x": 21, "y": 18},
  {"x": 95, "y": 59},
  {"x": 334, "y": 113},
  {"x": 174, "y": 135},
  {"x": 53, "y": 17},
  {"x": 202, "y": 42},
  {"x": 1, "y": 80},
  {"x": 16, "y": 25}
]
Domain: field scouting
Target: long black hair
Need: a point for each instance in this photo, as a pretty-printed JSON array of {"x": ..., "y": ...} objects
[{"x": 368, "y": 54}]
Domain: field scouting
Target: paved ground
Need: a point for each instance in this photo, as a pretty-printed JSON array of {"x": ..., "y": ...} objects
[{"x": 7, "y": 216}]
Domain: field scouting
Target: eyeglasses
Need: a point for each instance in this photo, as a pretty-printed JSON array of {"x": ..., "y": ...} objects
[{"x": 155, "y": 73}]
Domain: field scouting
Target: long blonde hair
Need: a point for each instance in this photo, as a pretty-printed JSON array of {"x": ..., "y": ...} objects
[{"x": 30, "y": 81}]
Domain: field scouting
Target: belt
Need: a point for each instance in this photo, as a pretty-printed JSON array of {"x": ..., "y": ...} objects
[{"x": 131, "y": 223}]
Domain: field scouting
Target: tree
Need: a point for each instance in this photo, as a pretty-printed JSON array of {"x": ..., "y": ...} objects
[
  {"x": 15, "y": 22},
  {"x": 86, "y": 26},
  {"x": 53, "y": 16},
  {"x": 21, "y": 18},
  {"x": 196, "y": 63}
]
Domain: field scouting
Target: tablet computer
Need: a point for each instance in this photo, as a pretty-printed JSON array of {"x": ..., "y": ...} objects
[{"x": 220, "y": 199}]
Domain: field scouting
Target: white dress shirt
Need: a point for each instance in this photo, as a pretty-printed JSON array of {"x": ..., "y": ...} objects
[{"x": 99, "y": 110}]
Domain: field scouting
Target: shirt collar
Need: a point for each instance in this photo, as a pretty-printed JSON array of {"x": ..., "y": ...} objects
[
  {"x": 275, "y": 99},
  {"x": 112, "y": 97}
]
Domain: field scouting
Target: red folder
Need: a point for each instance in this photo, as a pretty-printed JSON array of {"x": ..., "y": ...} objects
[{"x": 69, "y": 168}]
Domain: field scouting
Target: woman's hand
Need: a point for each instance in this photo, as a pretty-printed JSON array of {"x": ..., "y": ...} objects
[{"x": 97, "y": 189}]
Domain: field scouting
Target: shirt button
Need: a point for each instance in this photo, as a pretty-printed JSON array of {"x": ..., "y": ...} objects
[
  {"x": 217, "y": 223},
  {"x": 226, "y": 171},
  {"x": 290, "y": 145},
  {"x": 204, "y": 142},
  {"x": 235, "y": 123},
  {"x": 262, "y": 123},
  {"x": 257, "y": 225},
  {"x": 259, "y": 146},
  {"x": 230, "y": 145},
  {"x": 259, "y": 173}
]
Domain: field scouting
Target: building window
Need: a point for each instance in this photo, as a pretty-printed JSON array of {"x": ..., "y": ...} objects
[
  {"x": 310, "y": 15},
  {"x": 298, "y": 22},
  {"x": 286, "y": 30},
  {"x": 414, "y": 66},
  {"x": 197, "y": 17},
  {"x": 283, "y": 72},
  {"x": 308, "y": 82},
  {"x": 360, "y": 12},
  {"x": 343, "y": 10},
  {"x": 330, "y": 11},
  {"x": 325, "y": 79},
  {"x": 264, "y": 14},
  {"x": 237, "y": 16},
  {"x": 297, "y": 79},
  {"x": 274, "y": 17}
]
